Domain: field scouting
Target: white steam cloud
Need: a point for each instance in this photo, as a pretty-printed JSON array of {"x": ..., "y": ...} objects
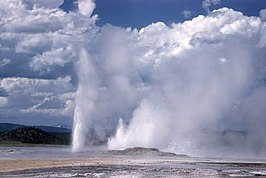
[
  {"x": 196, "y": 87},
  {"x": 178, "y": 87}
]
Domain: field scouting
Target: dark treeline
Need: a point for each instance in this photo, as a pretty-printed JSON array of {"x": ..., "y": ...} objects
[{"x": 36, "y": 136}]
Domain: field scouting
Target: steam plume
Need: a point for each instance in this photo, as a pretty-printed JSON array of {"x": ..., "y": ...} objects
[{"x": 179, "y": 88}]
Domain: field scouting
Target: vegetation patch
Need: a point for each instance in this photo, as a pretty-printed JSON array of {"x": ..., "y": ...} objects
[{"x": 35, "y": 136}]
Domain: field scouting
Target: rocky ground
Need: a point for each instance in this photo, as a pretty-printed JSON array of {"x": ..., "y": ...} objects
[{"x": 127, "y": 163}]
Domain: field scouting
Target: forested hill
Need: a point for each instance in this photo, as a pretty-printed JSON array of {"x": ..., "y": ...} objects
[{"x": 36, "y": 136}]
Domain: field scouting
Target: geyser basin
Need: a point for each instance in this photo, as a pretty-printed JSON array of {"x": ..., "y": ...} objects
[{"x": 133, "y": 162}]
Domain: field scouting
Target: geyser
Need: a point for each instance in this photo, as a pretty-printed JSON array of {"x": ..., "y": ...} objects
[
  {"x": 191, "y": 88},
  {"x": 85, "y": 98}
]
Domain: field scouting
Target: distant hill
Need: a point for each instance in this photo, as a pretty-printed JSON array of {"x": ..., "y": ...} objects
[
  {"x": 9, "y": 127},
  {"x": 35, "y": 135}
]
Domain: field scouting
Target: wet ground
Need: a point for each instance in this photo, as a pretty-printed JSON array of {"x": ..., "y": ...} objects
[
  {"x": 144, "y": 163},
  {"x": 193, "y": 170}
]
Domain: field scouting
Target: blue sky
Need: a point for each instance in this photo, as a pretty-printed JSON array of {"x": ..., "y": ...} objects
[{"x": 140, "y": 13}]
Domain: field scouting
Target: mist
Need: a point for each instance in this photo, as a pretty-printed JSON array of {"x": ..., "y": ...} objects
[{"x": 194, "y": 88}]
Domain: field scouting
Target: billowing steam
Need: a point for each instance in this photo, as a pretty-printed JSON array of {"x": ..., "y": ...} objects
[{"x": 196, "y": 87}]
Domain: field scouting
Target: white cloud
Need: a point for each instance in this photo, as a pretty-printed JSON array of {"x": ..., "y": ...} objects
[
  {"x": 263, "y": 14},
  {"x": 44, "y": 36},
  {"x": 86, "y": 7},
  {"x": 44, "y": 3},
  {"x": 4, "y": 62},
  {"x": 206, "y": 4},
  {"x": 50, "y": 59},
  {"x": 3, "y": 101},
  {"x": 54, "y": 97},
  {"x": 187, "y": 13},
  {"x": 38, "y": 40}
]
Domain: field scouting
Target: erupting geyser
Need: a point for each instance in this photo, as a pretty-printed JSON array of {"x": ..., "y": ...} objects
[
  {"x": 190, "y": 88},
  {"x": 85, "y": 97}
]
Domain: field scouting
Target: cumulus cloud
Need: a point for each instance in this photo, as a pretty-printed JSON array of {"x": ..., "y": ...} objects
[
  {"x": 45, "y": 38},
  {"x": 37, "y": 90},
  {"x": 86, "y": 7},
  {"x": 39, "y": 45}
]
